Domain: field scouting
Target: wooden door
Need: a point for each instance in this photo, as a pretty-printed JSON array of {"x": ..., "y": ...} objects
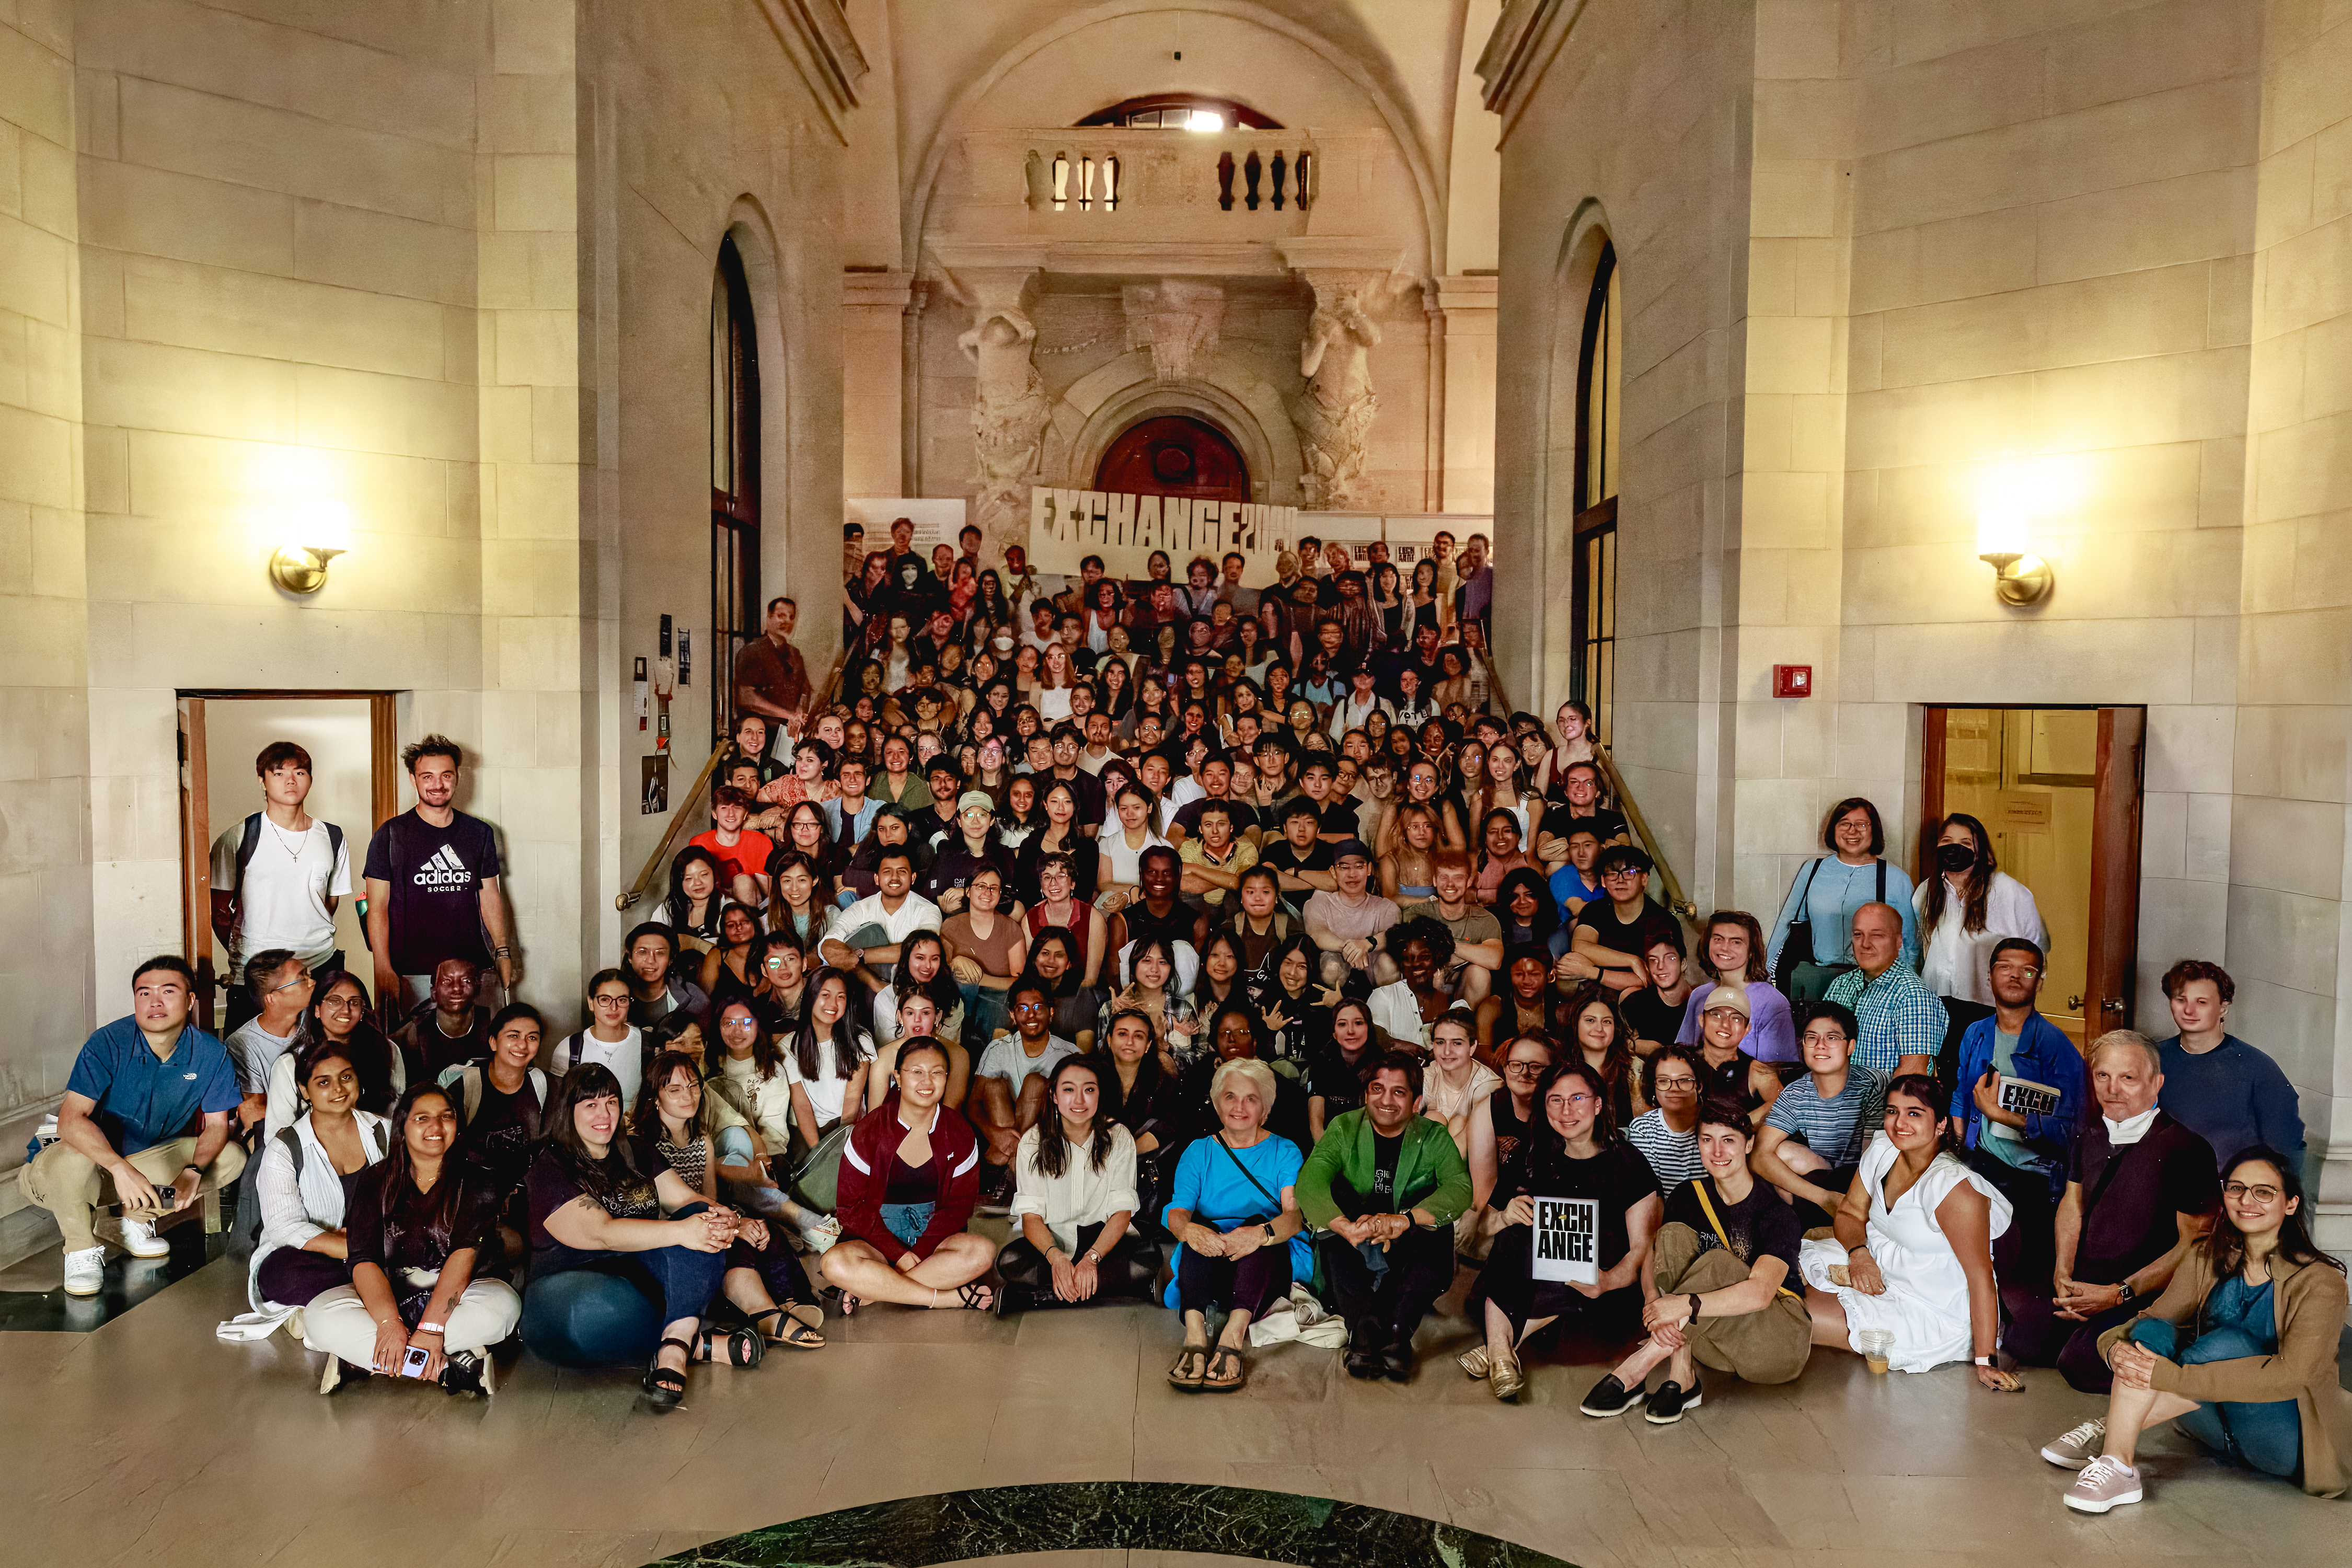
[
  {"x": 195, "y": 856},
  {"x": 2115, "y": 872}
]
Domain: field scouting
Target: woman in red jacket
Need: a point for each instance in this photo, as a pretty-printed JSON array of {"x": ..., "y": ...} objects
[{"x": 910, "y": 1177}]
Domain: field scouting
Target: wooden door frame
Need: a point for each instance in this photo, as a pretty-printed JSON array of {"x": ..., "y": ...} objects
[{"x": 195, "y": 805}]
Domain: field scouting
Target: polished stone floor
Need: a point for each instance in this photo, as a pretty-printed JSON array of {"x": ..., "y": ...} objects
[{"x": 147, "y": 1440}]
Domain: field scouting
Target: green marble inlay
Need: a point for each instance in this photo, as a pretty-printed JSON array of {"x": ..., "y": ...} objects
[{"x": 955, "y": 1527}]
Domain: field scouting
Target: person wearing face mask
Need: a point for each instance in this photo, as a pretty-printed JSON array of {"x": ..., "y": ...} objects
[{"x": 1964, "y": 910}]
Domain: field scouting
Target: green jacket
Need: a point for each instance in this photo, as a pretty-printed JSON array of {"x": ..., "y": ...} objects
[{"x": 1430, "y": 1174}]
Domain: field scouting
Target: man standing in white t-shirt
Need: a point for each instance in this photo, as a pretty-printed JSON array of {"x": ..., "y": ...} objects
[{"x": 275, "y": 878}]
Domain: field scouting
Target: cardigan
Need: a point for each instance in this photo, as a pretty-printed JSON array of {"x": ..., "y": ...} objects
[
  {"x": 2309, "y": 1301},
  {"x": 866, "y": 1174},
  {"x": 1430, "y": 1174}
]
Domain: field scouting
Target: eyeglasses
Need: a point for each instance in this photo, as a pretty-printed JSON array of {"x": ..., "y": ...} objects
[
  {"x": 2240, "y": 1190},
  {"x": 1678, "y": 1083},
  {"x": 620, "y": 1000},
  {"x": 341, "y": 1003},
  {"x": 1579, "y": 1097},
  {"x": 1522, "y": 1070},
  {"x": 1616, "y": 873},
  {"x": 301, "y": 979}
]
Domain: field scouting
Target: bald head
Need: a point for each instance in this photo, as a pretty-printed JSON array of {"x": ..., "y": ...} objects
[{"x": 1877, "y": 938}]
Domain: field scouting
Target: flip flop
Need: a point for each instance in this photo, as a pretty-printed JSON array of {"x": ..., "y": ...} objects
[
  {"x": 1212, "y": 1384},
  {"x": 1191, "y": 1366}
]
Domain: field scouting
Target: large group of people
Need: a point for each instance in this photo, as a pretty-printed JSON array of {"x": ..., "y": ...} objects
[{"x": 1229, "y": 949}]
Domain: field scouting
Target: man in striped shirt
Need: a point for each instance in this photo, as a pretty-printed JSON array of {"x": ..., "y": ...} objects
[
  {"x": 1814, "y": 1136},
  {"x": 1901, "y": 1022}
]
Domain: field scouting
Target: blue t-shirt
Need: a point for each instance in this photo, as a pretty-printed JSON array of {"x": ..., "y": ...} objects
[
  {"x": 1210, "y": 1189},
  {"x": 1567, "y": 882},
  {"x": 144, "y": 1100}
]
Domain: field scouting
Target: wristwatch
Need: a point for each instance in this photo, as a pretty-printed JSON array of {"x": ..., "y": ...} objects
[
  {"x": 2125, "y": 1287},
  {"x": 1693, "y": 1301},
  {"x": 1268, "y": 1228}
]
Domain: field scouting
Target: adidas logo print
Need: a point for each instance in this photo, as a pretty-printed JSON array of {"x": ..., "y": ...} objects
[{"x": 443, "y": 870}]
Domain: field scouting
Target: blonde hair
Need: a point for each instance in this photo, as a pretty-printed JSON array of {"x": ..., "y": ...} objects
[
  {"x": 2130, "y": 1040},
  {"x": 1259, "y": 1075}
]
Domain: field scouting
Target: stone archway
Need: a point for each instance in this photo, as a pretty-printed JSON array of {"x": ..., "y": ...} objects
[
  {"x": 1174, "y": 454},
  {"x": 1100, "y": 406}
]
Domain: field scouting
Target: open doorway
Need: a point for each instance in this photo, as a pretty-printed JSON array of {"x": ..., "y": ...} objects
[
  {"x": 2058, "y": 789},
  {"x": 353, "y": 784}
]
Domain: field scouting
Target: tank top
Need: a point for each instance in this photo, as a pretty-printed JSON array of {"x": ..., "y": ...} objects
[
  {"x": 911, "y": 1183},
  {"x": 1076, "y": 930},
  {"x": 1510, "y": 1126},
  {"x": 1730, "y": 1078}
]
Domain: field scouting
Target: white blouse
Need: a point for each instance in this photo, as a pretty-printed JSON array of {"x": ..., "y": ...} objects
[
  {"x": 828, "y": 1089},
  {"x": 1080, "y": 1195},
  {"x": 766, "y": 1102},
  {"x": 295, "y": 1206},
  {"x": 1959, "y": 963}
]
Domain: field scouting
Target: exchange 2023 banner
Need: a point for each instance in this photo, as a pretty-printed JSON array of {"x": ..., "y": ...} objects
[{"x": 1066, "y": 526}]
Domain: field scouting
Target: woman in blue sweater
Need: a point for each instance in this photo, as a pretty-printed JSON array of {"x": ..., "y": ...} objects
[{"x": 1828, "y": 890}]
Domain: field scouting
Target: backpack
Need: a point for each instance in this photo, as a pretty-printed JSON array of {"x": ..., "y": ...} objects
[
  {"x": 377, "y": 1137},
  {"x": 469, "y": 1079}
]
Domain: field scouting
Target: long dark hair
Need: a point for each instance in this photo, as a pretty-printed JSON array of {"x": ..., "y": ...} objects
[
  {"x": 647, "y": 1123},
  {"x": 441, "y": 1204},
  {"x": 1972, "y": 910},
  {"x": 1927, "y": 1090},
  {"x": 1617, "y": 1063},
  {"x": 314, "y": 1052},
  {"x": 1053, "y": 1146},
  {"x": 2225, "y": 1244},
  {"x": 559, "y": 1127},
  {"x": 941, "y": 987},
  {"x": 1547, "y": 916},
  {"x": 368, "y": 1050},
  {"x": 1749, "y": 923},
  {"x": 676, "y": 905},
  {"x": 842, "y": 1038},
  {"x": 1074, "y": 975}
]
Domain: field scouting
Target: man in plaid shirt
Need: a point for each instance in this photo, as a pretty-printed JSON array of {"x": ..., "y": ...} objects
[{"x": 1902, "y": 1022}]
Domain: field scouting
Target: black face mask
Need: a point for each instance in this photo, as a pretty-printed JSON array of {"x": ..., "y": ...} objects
[{"x": 1955, "y": 857}]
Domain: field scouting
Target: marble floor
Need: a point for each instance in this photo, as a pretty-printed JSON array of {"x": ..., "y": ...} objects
[{"x": 148, "y": 1440}]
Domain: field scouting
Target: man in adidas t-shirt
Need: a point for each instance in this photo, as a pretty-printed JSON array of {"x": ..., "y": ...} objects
[
  {"x": 276, "y": 877},
  {"x": 432, "y": 887}
]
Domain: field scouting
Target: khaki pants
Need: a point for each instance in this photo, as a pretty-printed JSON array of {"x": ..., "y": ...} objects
[
  {"x": 68, "y": 1183},
  {"x": 484, "y": 1312},
  {"x": 1767, "y": 1346}
]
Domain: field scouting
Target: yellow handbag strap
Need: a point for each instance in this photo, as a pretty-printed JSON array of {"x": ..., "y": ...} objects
[{"x": 1698, "y": 1187}]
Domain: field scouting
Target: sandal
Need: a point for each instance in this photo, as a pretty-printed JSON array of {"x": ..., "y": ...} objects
[
  {"x": 665, "y": 1388},
  {"x": 743, "y": 1347},
  {"x": 848, "y": 1304},
  {"x": 806, "y": 1312},
  {"x": 1215, "y": 1382},
  {"x": 796, "y": 1333},
  {"x": 1191, "y": 1366},
  {"x": 970, "y": 1297}
]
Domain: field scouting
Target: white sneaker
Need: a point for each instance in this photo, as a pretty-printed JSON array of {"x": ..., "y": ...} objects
[
  {"x": 85, "y": 1271},
  {"x": 2077, "y": 1447},
  {"x": 140, "y": 1240}
]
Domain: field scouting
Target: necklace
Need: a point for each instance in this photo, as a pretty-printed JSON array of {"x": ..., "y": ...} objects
[{"x": 293, "y": 850}]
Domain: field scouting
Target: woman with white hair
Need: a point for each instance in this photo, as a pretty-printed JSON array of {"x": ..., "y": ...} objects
[{"x": 1234, "y": 1210}]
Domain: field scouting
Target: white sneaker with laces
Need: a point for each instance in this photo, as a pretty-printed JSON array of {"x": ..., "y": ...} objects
[
  {"x": 140, "y": 1240},
  {"x": 85, "y": 1271},
  {"x": 2105, "y": 1482},
  {"x": 2079, "y": 1447}
]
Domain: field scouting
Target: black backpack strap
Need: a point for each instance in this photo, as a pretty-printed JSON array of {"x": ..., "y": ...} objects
[
  {"x": 293, "y": 1142},
  {"x": 245, "y": 846},
  {"x": 1881, "y": 879},
  {"x": 334, "y": 848}
]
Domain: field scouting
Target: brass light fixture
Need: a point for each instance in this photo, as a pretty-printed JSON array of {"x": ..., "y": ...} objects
[
  {"x": 318, "y": 531},
  {"x": 2018, "y": 576}
]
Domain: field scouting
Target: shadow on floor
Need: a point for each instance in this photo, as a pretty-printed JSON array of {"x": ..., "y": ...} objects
[{"x": 128, "y": 1281}]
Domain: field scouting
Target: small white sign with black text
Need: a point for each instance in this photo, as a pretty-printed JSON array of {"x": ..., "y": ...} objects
[{"x": 1568, "y": 1240}]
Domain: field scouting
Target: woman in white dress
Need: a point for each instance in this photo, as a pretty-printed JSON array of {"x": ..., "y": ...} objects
[{"x": 1913, "y": 1257}]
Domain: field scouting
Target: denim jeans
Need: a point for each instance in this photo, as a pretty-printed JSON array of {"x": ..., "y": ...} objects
[
  {"x": 2267, "y": 1437},
  {"x": 611, "y": 1312}
]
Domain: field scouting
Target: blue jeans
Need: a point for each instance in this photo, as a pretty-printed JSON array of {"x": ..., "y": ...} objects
[
  {"x": 611, "y": 1312},
  {"x": 2266, "y": 1436}
]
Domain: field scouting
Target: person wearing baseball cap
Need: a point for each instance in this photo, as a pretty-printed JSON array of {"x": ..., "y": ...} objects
[
  {"x": 1725, "y": 1069},
  {"x": 1346, "y": 921},
  {"x": 974, "y": 843}
]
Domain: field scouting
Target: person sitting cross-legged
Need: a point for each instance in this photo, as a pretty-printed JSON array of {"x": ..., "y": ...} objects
[
  {"x": 1813, "y": 1138},
  {"x": 1720, "y": 1272},
  {"x": 144, "y": 1122},
  {"x": 419, "y": 1227},
  {"x": 301, "y": 1180},
  {"x": 910, "y": 1177},
  {"x": 1384, "y": 1186},
  {"x": 2238, "y": 1353},
  {"x": 1233, "y": 1208},
  {"x": 1074, "y": 1204}
]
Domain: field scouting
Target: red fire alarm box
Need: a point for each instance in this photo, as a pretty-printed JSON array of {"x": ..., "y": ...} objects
[{"x": 1792, "y": 680}]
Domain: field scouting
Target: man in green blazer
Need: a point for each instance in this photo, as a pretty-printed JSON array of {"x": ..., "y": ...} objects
[{"x": 1383, "y": 1188}]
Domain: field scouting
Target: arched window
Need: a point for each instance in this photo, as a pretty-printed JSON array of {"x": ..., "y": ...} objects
[
  {"x": 1599, "y": 382},
  {"x": 1182, "y": 111},
  {"x": 735, "y": 615}
]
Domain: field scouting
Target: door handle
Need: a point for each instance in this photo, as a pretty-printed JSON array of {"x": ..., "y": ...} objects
[
  {"x": 2074, "y": 1004},
  {"x": 2113, "y": 1004}
]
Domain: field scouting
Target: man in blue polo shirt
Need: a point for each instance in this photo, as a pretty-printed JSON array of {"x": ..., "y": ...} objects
[{"x": 144, "y": 1123}]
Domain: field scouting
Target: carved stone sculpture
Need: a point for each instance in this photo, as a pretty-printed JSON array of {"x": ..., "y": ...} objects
[
  {"x": 1008, "y": 415},
  {"x": 1177, "y": 320},
  {"x": 1335, "y": 414}
]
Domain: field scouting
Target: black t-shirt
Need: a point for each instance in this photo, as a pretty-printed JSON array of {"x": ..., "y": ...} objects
[
  {"x": 427, "y": 1053},
  {"x": 2129, "y": 1217},
  {"x": 499, "y": 1136},
  {"x": 1278, "y": 853},
  {"x": 1384, "y": 1168},
  {"x": 623, "y": 1187},
  {"x": 436, "y": 875},
  {"x": 1088, "y": 789},
  {"x": 1339, "y": 1081},
  {"x": 1648, "y": 926},
  {"x": 393, "y": 1227},
  {"x": 1649, "y": 1017},
  {"x": 1559, "y": 823},
  {"x": 1618, "y": 1178},
  {"x": 1762, "y": 1226}
]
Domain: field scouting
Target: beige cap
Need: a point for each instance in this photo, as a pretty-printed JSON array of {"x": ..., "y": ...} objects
[{"x": 1726, "y": 996}]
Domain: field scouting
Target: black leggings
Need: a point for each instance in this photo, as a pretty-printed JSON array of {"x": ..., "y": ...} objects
[{"x": 1124, "y": 1274}]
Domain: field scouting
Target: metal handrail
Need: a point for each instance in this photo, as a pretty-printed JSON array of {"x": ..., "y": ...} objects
[
  {"x": 1676, "y": 903},
  {"x": 686, "y": 811}
]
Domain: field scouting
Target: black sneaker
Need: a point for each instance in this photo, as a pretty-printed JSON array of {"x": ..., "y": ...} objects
[
  {"x": 466, "y": 1373},
  {"x": 1609, "y": 1397},
  {"x": 1364, "y": 1350},
  {"x": 1666, "y": 1406},
  {"x": 1396, "y": 1361}
]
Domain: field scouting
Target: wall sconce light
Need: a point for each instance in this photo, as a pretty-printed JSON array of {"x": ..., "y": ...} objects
[
  {"x": 317, "y": 531},
  {"x": 2018, "y": 576}
]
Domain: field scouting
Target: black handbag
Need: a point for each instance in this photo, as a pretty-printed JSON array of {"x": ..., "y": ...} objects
[{"x": 1797, "y": 946}]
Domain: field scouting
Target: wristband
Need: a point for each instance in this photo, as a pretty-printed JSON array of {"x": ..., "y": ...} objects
[
  {"x": 1984, "y": 1360},
  {"x": 199, "y": 1170},
  {"x": 430, "y": 1329},
  {"x": 1857, "y": 1247}
]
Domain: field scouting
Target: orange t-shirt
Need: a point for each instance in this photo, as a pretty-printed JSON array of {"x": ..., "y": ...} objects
[{"x": 748, "y": 857}]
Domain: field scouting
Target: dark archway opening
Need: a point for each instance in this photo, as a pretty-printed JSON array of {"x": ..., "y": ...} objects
[{"x": 1174, "y": 454}]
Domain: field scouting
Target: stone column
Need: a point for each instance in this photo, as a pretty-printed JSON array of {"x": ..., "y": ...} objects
[
  {"x": 1467, "y": 306},
  {"x": 1010, "y": 406},
  {"x": 873, "y": 382}
]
